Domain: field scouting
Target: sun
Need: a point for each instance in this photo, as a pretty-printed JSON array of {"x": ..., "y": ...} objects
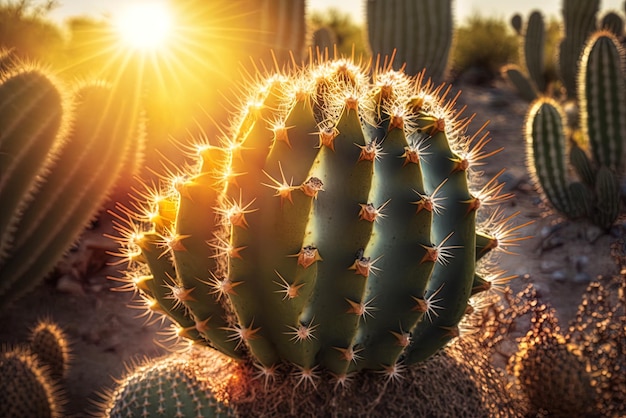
[{"x": 144, "y": 25}]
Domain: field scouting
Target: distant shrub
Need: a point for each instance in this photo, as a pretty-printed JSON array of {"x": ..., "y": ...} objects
[{"x": 483, "y": 45}]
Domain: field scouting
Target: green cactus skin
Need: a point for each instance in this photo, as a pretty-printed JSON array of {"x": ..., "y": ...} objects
[
  {"x": 27, "y": 390},
  {"x": 534, "y": 46},
  {"x": 333, "y": 218},
  {"x": 84, "y": 170},
  {"x": 418, "y": 32},
  {"x": 522, "y": 84},
  {"x": 547, "y": 155},
  {"x": 579, "y": 19},
  {"x": 48, "y": 342},
  {"x": 603, "y": 99},
  {"x": 167, "y": 387},
  {"x": 283, "y": 28},
  {"x": 582, "y": 164}
]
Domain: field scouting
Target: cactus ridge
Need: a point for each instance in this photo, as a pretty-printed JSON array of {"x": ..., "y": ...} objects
[
  {"x": 333, "y": 226},
  {"x": 534, "y": 45}
]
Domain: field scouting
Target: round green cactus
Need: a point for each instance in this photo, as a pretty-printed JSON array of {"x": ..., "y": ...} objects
[{"x": 333, "y": 226}]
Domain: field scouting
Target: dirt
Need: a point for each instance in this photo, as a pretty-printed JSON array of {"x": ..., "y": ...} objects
[{"x": 558, "y": 258}]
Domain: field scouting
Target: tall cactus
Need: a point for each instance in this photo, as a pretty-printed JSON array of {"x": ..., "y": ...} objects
[
  {"x": 333, "y": 227},
  {"x": 52, "y": 182},
  {"x": 419, "y": 32}
]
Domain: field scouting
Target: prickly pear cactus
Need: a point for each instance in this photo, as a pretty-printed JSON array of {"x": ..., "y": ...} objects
[{"x": 332, "y": 228}]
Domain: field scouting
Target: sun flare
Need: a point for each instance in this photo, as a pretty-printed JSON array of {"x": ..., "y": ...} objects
[{"x": 145, "y": 25}]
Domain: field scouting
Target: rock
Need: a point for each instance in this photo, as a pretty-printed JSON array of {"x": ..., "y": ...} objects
[
  {"x": 66, "y": 284},
  {"x": 559, "y": 276}
]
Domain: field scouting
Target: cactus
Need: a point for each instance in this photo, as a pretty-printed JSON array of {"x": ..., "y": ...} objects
[
  {"x": 613, "y": 22},
  {"x": 173, "y": 386},
  {"x": 517, "y": 23},
  {"x": 603, "y": 121},
  {"x": 531, "y": 81},
  {"x": 323, "y": 39},
  {"x": 283, "y": 28},
  {"x": 552, "y": 372},
  {"x": 55, "y": 181},
  {"x": 458, "y": 381},
  {"x": 579, "y": 19},
  {"x": 602, "y": 94},
  {"x": 26, "y": 389},
  {"x": 417, "y": 32},
  {"x": 48, "y": 342},
  {"x": 331, "y": 228}
]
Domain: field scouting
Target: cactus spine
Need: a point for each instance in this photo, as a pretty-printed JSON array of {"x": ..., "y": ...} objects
[
  {"x": 603, "y": 99},
  {"x": 418, "y": 32},
  {"x": 331, "y": 228},
  {"x": 53, "y": 182}
]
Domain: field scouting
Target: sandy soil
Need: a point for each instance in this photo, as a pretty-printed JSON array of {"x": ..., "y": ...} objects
[{"x": 559, "y": 258}]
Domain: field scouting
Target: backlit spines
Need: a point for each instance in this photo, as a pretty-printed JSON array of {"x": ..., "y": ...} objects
[
  {"x": 547, "y": 154},
  {"x": 339, "y": 216}
]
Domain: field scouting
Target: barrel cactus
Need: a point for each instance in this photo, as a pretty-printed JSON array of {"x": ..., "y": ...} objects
[{"x": 331, "y": 230}]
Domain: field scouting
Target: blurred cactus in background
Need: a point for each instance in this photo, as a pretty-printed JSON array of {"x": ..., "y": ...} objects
[
  {"x": 417, "y": 32},
  {"x": 58, "y": 163}
]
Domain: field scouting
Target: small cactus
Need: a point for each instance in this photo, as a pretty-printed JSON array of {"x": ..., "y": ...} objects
[
  {"x": 26, "y": 389},
  {"x": 553, "y": 373},
  {"x": 48, "y": 342},
  {"x": 332, "y": 228},
  {"x": 174, "y": 386}
]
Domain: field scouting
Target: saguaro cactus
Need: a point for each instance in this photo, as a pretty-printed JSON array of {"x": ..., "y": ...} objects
[
  {"x": 333, "y": 227},
  {"x": 419, "y": 32}
]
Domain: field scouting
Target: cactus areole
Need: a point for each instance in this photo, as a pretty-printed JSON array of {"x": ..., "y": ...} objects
[{"x": 332, "y": 227}]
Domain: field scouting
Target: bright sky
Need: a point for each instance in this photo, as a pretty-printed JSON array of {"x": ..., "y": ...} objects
[{"x": 464, "y": 8}]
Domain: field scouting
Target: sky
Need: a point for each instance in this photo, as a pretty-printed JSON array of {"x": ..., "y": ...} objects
[{"x": 463, "y": 8}]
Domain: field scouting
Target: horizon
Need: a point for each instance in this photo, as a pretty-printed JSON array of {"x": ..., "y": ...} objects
[{"x": 463, "y": 9}]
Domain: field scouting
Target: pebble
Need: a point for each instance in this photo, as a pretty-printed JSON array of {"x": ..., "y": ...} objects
[
  {"x": 582, "y": 277},
  {"x": 558, "y": 276},
  {"x": 66, "y": 284}
]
